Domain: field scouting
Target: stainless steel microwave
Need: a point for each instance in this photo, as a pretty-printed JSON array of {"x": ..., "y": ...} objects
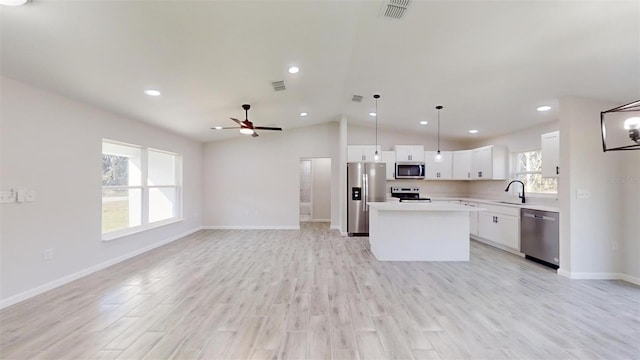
[{"x": 410, "y": 170}]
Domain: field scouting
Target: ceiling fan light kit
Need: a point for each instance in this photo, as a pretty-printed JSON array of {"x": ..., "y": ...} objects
[{"x": 246, "y": 127}]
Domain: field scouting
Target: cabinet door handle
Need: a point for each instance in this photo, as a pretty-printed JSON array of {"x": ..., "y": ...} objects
[
  {"x": 479, "y": 174},
  {"x": 469, "y": 175},
  {"x": 557, "y": 170},
  {"x": 410, "y": 157},
  {"x": 364, "y": 157}
]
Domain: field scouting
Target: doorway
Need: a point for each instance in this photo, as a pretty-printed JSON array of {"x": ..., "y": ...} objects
[{"x": 315, "y": 189}]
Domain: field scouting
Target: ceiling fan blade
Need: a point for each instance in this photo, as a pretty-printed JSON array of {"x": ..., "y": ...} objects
[
  {"x": 255, "y": 134},
  {"x": 226, "y": 127},
  {"x": 267, "y": 128},
  {"x": 238, "y": 121}
]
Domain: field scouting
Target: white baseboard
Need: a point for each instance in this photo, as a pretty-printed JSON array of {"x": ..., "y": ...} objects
[
  {"x": 69, "y": 278},
  {"x": 249, "y": 227},
  {"x": 599, "y": 276}
]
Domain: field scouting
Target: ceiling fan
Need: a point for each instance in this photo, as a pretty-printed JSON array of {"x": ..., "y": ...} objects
[{"x": 246, "y": 127}]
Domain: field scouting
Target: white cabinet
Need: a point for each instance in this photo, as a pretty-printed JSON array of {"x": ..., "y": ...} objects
[
  {"x": 462, "y": 165},
  {"x": 489, "y": 163},
  {"x": 389, "y": 158},
  {"x": 438, "y": 170},
  {"x": 356, "y": 153},
  {"x": 473, "y": 217},
  {"x": 409, "y": 152},
  {"x": 550, "y": 144},
  {"x": 500, "y": 225}
]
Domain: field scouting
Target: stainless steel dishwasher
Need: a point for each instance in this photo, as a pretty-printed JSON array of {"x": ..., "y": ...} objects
[{"x": 540, "y": 235}]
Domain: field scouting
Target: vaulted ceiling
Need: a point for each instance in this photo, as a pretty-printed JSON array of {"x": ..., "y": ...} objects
[{"x": 490, "y": 63}]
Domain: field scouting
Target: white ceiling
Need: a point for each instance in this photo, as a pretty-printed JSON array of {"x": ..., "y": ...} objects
[{"x": 490, "y": 63}]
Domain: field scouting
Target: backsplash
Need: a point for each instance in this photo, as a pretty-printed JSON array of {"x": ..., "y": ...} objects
[
  {"x": 433, "y": 189},
  {"x": 494, "y": 190}
]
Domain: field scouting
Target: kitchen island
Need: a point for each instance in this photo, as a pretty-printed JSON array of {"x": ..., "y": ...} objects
[{"x": 419, "y": 231}]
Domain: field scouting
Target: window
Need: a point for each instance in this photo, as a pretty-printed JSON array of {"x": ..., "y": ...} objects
[
  {"x": 140, "y": 188},
  {"x": 528, "y": 169}
]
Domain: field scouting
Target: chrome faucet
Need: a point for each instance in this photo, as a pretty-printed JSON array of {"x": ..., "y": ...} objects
[{"x": 519, "y": 196}]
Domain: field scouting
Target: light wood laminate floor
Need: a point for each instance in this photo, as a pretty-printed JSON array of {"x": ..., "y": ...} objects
[{"x": 312, "y": 294}]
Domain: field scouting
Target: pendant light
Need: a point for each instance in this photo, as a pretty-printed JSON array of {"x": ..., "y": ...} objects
[
  {"x": 376, "y": 157},
  {"x": 438, "y": 157}
]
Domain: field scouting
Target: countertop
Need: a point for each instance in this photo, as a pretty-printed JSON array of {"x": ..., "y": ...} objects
[
  {"x": 434, "y": 206},
  {"x": 496, "y": 202}
]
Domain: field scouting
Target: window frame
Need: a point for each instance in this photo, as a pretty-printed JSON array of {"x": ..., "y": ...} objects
[
  {"x": 144, "y": 186},
  {"x": 515, "y": 175}
]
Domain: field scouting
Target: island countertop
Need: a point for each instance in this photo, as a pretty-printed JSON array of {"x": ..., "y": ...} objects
[{"x": 434, "y": 206}]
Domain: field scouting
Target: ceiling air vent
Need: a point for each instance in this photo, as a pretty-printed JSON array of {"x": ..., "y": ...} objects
[
  {"x": 357, "y": 98},
  {"x": 278, "y": 85},
  {"x": 395, "y": 9}
]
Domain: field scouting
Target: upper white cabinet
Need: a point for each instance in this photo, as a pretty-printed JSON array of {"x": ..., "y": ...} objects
[
  {"x": 389, "y": 158},
  {"x": 550, "y": 144},
  {"x": 438, "y": 170},
  {"x": 409, "y": 152},
  {"x": 489, "y": 163},
  {"x": 462, "y": 165},
  {"x": 356, "y": 153}
]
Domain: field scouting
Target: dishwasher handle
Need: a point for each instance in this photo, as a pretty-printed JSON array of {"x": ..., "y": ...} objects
[{"x": 541, "y": 217}]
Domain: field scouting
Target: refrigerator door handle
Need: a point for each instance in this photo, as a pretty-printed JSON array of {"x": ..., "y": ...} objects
[{"x": 365, "y": 195}]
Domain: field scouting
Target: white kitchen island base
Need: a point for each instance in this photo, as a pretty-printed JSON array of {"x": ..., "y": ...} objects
[{"x": 419, "y": 231}]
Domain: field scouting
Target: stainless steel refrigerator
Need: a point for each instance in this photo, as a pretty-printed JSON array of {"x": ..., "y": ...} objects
[{"x": 366, "y": 182}]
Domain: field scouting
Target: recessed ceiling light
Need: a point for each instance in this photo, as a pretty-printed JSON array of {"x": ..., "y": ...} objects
[
  {"x": 293, "y": 70},
  {"x": 423, "y": 122},
  {"x": 303, "y": 114},
  {"x": 152, "y": 92},
  {"x": 473, "y": 131},
  {"x": 544, "y": 108},
  {"x": 13, "y": 2},
  {"x": 372, "y": 114},
  {"x": 218, "y": 127}
]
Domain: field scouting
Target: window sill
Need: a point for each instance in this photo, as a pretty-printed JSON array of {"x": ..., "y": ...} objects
[{"x": 114, "y": 235}]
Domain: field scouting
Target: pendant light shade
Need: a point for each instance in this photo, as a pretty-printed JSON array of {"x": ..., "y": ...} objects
[
  {"x": 438, "y": 157},
  {"x": 376, "y": 156}
]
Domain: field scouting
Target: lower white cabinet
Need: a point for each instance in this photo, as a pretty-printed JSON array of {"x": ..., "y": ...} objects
[
  {"x": 473, "y": 217},
  {"x": 500, "y": 228}
]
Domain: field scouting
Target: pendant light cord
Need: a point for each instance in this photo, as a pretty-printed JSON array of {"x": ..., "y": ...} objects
[
  {"x": 439, "y": 107},
  {"x": 376, "y": 124},
  {"x": 438, "y": 130},
  {"x": 376, "y": 96}
]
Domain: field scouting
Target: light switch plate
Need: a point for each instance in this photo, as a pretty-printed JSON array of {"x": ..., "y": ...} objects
[
  {"x": 582, "y": 194},
  {"x": 7, "y": 197}
]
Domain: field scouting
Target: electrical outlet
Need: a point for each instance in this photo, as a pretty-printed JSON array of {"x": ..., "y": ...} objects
[
  {"x": 582, "y": 194},
  {"x": 7, "y": 197},
  {"x": 47, "y": 254},
  {"x": 30, "y": 196}
]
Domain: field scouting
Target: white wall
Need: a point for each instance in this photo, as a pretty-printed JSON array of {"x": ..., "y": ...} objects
[
  {"x": 321, "y": 189},
  {"x": 53, "y": 145},
  {"x": 596, "y": 232},
  {"x": 523, "y": 140},
  {"x": 254, "y": 182}
]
